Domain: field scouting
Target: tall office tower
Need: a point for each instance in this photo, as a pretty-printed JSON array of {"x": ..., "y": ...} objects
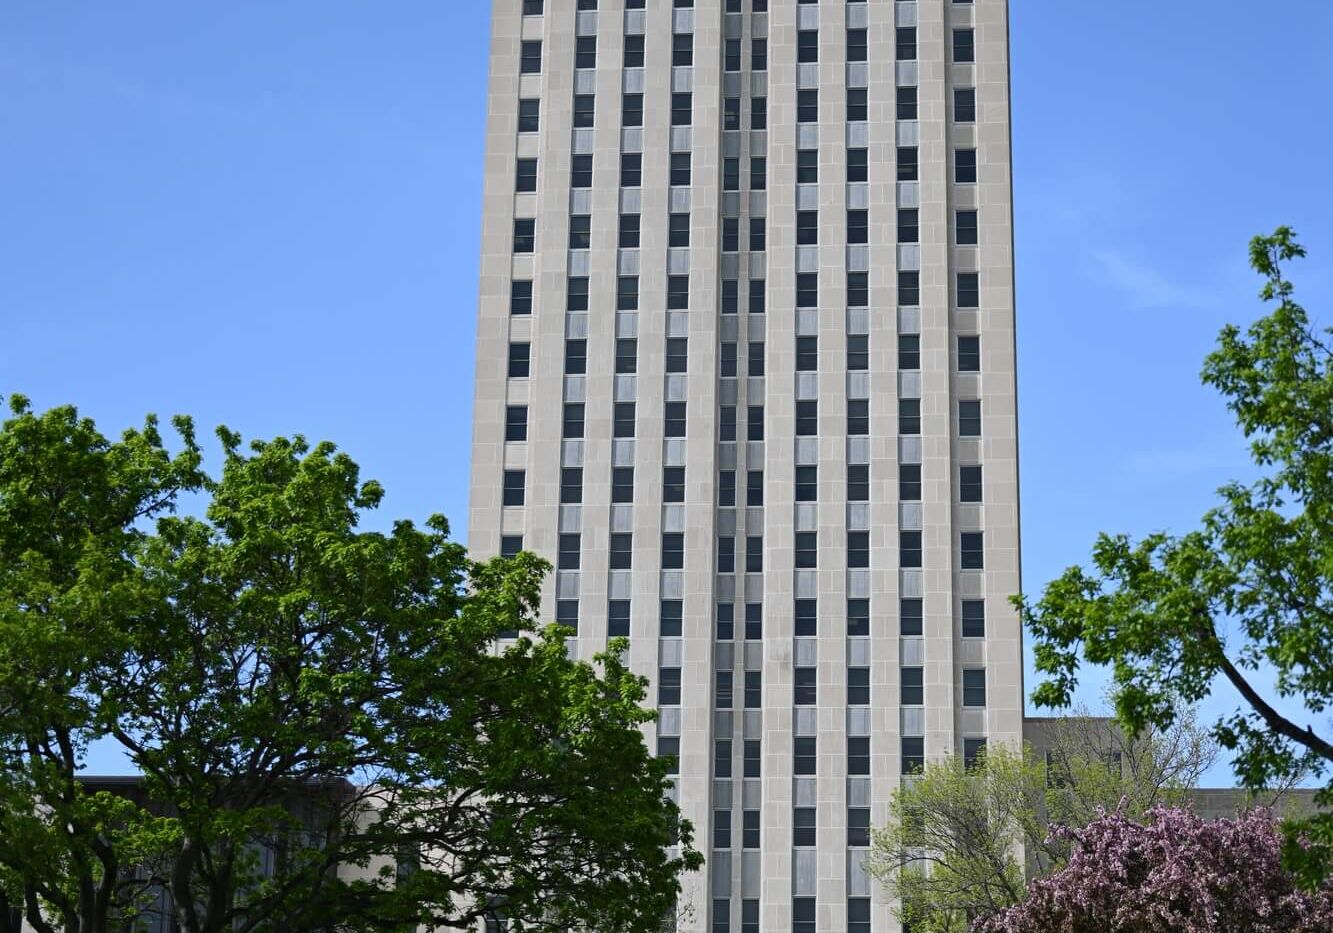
[{"x": 745, "y": 375}]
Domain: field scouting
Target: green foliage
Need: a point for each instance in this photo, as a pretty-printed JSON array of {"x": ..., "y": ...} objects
[
  {"x": 960, "y": 844},
  {"x": 327, "y": 735},
  {"x": 1251, "y": 588}
]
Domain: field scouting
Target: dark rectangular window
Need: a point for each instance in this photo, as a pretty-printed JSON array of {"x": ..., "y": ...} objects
[
  {"x": 807, "y": 228},
  {"x": 858, "y": 686},
  {"x": 516, "y": 422},
  {"x": 620, "y": 554},
  {"x": 909, "y": 230},
  {"x": 858, "y": 417},
  {"x": 807, "y": 550},
  {"x": 585, "y": 52},
  {"x": 969, "y": 483},
  {"x": 905, "y": 43},
  {"x": 668, "y": 748},
  {"x": 805, "y": 688},
  {"x": 532, "y": 7},
  {"x": 726, "y": 621},
  {"x": 965, "y": 228},
  {"x": 513, "y": 490},
  {"x": 673, "y": 420},
  {"x": 758, "y": 113},
  {"x": 803, "y": 915},
  {"x": 622, "y": 423},
  {"x": 677, "y": 354},
  {"x": 617, "y": 618},
  {"x": 758, "y": 173},
  {"x": 680, "y": 168},
  {"x": 731, "y": 296},
  {"x": 803, "y": 827},
  {"x": 857, "y": 108},
  {"x": 858, "y": 915},
  {"x": 909, "y": 351},
  {"x": 858, "y": 289},
  {"x": 631, "y": 110},
  {"x": 755, "y": 297},
  {"x": 580, "y": 171},
  {"x": 758, "y": 237},
  {"x": 906, "y": 103},
  {"x": 627, "y": 293},
  {"x": 571, "y": 423},
  {"x": 754, "y": 423},
  {"x": 726, "y": 427},
  {"x": 721, "y": 838},
  {"x": 858, "y": 482},
  {"x": 731, "y": 174},
  {"x": 668, "y": 686},
  {"x": 914, "y": 754},
  {"x": 627, "y": 355},
  {"x": 731, "y": 56},
  {"x": 682, "y": 109},
  {"x": 807, "y": 483},
  {"x": 510, "y": 545},
  {"x": 909, "y": 482},
  {"x": 969, "y": 290},
  {"x": 722, "y": 758},
  {"x": 908, "y": 166},
  {"x": 909, "y": 549},
  {"x": 858, "y": 161},
  {"x": 857, "y": 45},
  {"x": 750, "y": 829},
  {"x": 584, "y": 110},
  {"x": 807, "y": 417},
  {"x": 754, "y": 487},
  {"x": 629, "y": 231},
  {"x": 974, "y": 686},
  {"x": 669, "y": 617},
  {"x": 913, "y": 686},
  {"x": 752, "y": 763},
  {"x": 576, "y": 289},
  {"x": 754, "y": 623},
  {"x": 567, "y": 557},
  {"x": 525, "y": 234},
  {"x": 754, "y": 554},
  {"x": 858, "y": 827},
  {"x": 682, "y": 49},
  {"x": 858, "y": 227},
  {"x": 969, "y": 354},
  {"x": 909, "y": 288},
  {"x": 857, "y": 352},
  {"x": 529, "y": 115},
  {"x": 909, "y": 416},
  {"x": 727, "y": 360},
  {"x": 807, "y": 354},
  {"x": 622, "y": 484},
  {"x": 726, "y": 487},
  {"x": 969, "y": 418},
  {"x": 974, "y": 618},
  {"x": 758, "y": 54},
  {"x": 965, "y": 166},
  {"x": 634, "y": 51},
  {"x": 974, "y": 753},
  {"x": 731, "y": 233},
  {"x": 858, "y": 618},
  {"x": 520, "y": 296},
  {"x": 519, "y": 358},
  {"x": 726, "y": 554},
  {"x": 631, "y": 169},
  {"x": 807, "y": 166},
  {"x": 673, "y": 484},
  {"x": 731, "y": 106},
  {"x": 965, "y": 105},
  {"x": 754, "y": 689},
  {"x": 807, "y": 618},
  {"x": 909, "y": 617},
  {"x": 807, "y": 45},
  {"x": 576, "y": 357},
  {"x": 530, "y": 58},
  {"x": 964, "y": 46},
  {"x": 858, "y": 549},
  {"x": 804, "y": 759},
  {"x": 807, "y": 105},
  {"x": 673, "y": 551},
  {"x": 973, "y": 556}
]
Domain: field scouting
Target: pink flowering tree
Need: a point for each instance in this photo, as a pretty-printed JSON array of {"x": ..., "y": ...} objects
[{"x": 1174, "y": 873}]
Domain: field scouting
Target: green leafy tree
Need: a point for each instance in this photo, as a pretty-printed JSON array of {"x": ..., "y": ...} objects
[
  {"x": 1250, "y": 589},
  {"x": 962, "y": 843},
  {"x": 327, "y": 735}
]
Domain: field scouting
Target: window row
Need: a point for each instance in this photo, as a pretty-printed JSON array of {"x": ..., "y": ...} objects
[{"x": 806, "y": 549}]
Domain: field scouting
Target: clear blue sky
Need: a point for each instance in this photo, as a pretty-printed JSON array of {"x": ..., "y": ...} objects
[{"x": 266, "y": 215}]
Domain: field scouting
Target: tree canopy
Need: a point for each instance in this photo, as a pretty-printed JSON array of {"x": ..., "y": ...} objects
[
  {"x": 1249, "y": 590},
  {"x": 1173, "y": 873},
  {"x": 328, "y": 736}
]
